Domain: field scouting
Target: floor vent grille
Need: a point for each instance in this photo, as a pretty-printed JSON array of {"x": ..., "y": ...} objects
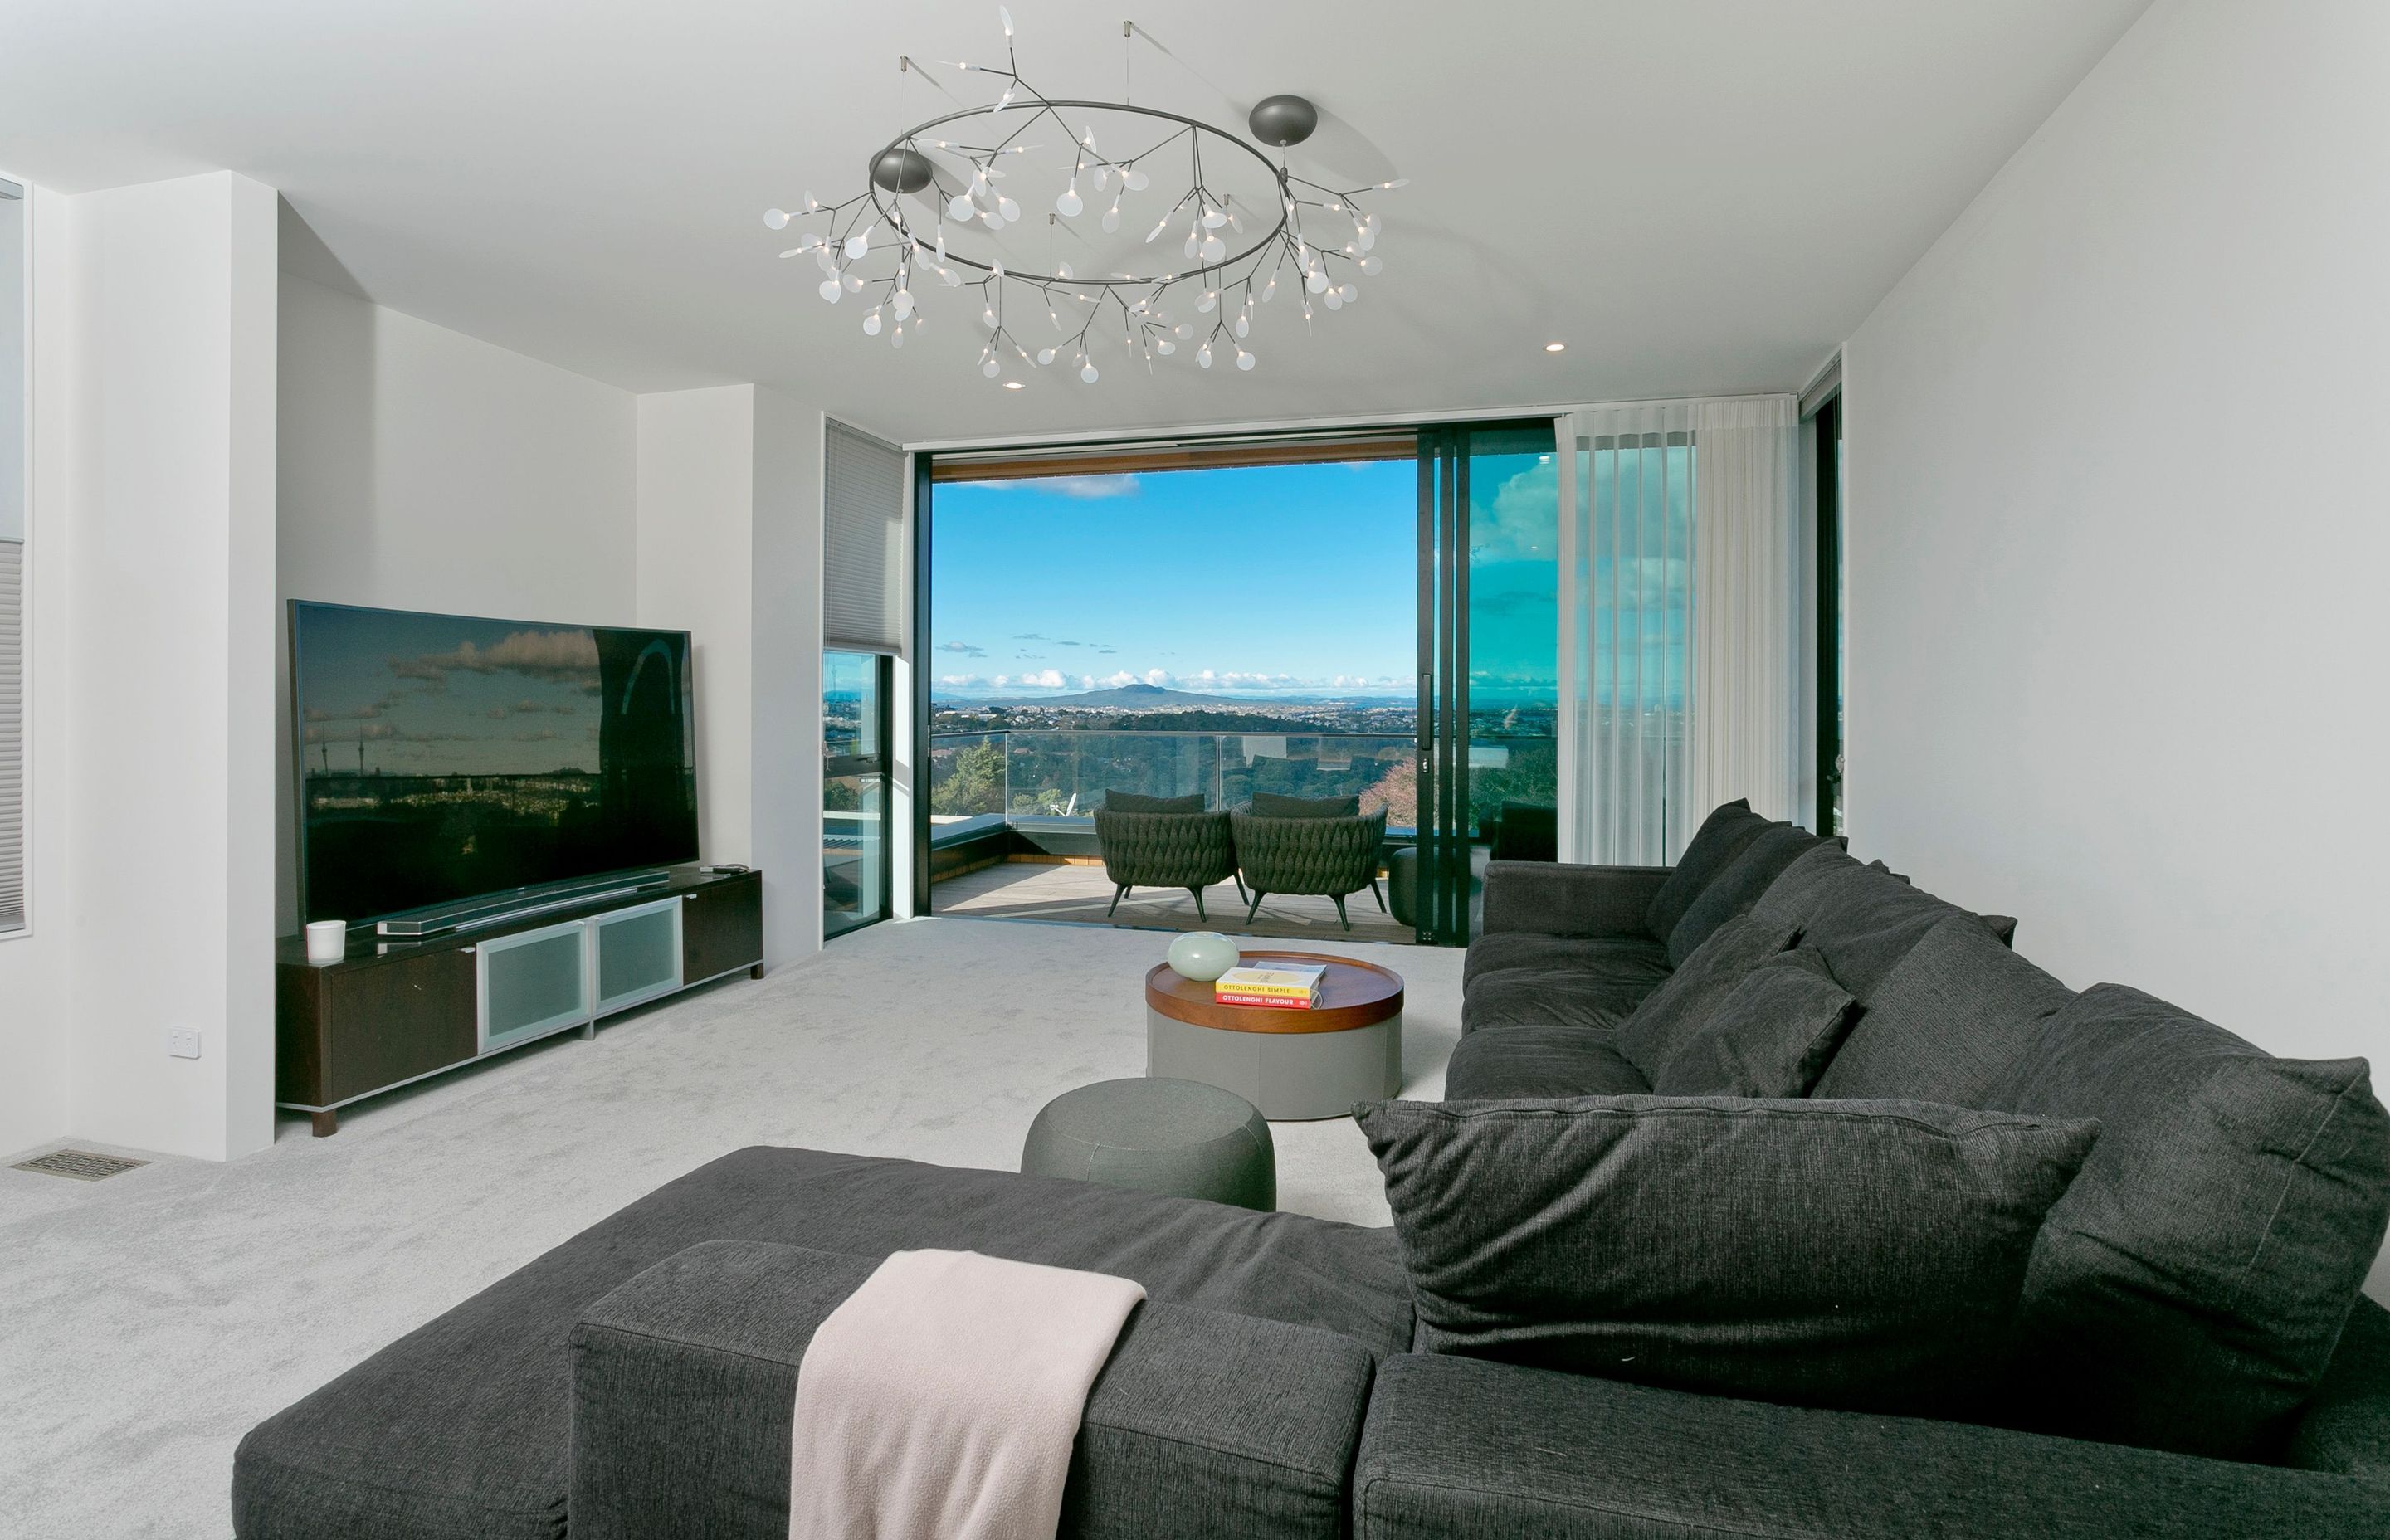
[{"x": 83, "y": 1165}]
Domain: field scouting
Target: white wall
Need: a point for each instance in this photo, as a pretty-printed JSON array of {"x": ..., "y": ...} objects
[
  {"x": 164, "y": 528},
  {"x": 425, "y": 469},
  {"x": 696, "y": 534},
  {"x": 2116, "y": 532}
]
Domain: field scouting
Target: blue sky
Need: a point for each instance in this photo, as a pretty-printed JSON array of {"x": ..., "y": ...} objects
[{"x": 1286, "y": 580}]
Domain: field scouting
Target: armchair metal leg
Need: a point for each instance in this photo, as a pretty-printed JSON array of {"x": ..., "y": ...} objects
[
  {"x": 1340, "y": 910},
  {"x": 1199, "y": 903},
  {"x": 1256, "y": 908},
  {"x": 1118, "y": 893},
  {"x": 1238, "y": 878},
  {"x": 1377, "y": 893}
]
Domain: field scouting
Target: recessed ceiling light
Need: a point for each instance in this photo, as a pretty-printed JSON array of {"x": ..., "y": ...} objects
[
  {"x": 1556, "y": 347},
  {"x": 1012, "y": 384}
]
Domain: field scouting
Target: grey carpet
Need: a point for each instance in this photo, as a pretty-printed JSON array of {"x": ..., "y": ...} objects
[{"x": 152, "y": 1319}]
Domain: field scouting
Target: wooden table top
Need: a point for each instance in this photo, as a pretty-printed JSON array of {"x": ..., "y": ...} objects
[{"x": 1352, "y": 994}]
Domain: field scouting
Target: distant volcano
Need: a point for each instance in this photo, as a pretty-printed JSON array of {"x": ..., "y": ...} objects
[{"x": 1129, "y": 698}]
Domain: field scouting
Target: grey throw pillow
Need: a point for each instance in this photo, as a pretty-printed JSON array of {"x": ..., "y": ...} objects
[
  {"x": 1770, "y": 1036},
  {"x": 1667, "y": 1017},
  {"x": 1272, "y": 804},
  {"x": 1947, "y": 1021},
  {"x": 1862, "y": 1256},
  {"x": 2189, "y": 1289},
  {"x": 1713, "y": 848},
  {"x": 1735, "y": 890},
  {"x": 1132, "y": 802}
]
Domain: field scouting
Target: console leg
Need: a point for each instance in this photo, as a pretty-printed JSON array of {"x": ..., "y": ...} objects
[
  {"x": 756, "y": 971},
  {"x": 325, "y": 1123},
  {"x": 588, "y": 1031}
]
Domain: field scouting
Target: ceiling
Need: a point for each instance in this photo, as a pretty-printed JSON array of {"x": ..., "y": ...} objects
[{"x": 1697, "y": 196}]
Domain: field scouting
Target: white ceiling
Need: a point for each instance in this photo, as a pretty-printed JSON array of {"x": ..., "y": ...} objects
[{"x": 1697, "y": 196}]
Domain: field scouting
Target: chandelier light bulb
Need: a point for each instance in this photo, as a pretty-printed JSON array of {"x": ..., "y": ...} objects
[
  {"x": 1088, "y": 373},
  {"x": 991, "y": 368},
  {"x": 1370, "y": 266},
  {"x": 1136, "y": 180},
  {"x": 1210, "y": 302},
  {"x": 827, "y": 260},
  {"x": 1103, "y": 175},
  {"x": 1112, "y": 217},
  {"x": 1045, "y": 357},
  {"x": 1335, "y": 299},
  {"x": 1214, "y": 218},
  {"x": 959, "y": 206},
  {"x": 900, "y": 302},
  {"x": 776, "y": 219},
  {"x": 1009, "y": 210},
  {"x": 1213, "y": 249},
  {"x": 831, "y": 288},
  {"x": 896, "y": 338},
  {"x": 871, "y": 323},
  {"x": 1069, "y": 205},
  {"x": 1184, "y": 330},
  {"x": 1203, "y": 354},
  {"x": 1243, "y": 327},
  {"x": 1351, "y": 291},
  {"x": 987, "y": 316},
  {"x": 1062, "y": 270},
  {"x": 1316, "y": 281},
  {"x": 1160, "y": 226},
  {"x": 1244, "y": 359},
  {"x": 852, "y": 283},
  {"x": 1164, "y": 346},
  {"x": 858, "y": 246}
]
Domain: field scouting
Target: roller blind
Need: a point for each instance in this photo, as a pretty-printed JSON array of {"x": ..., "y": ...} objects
[
  {"x": 12, "y": 735},
  {"x": 863, "y": 538}
]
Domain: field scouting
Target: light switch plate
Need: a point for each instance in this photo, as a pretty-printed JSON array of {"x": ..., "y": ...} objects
[{"x": 183, "y": 1043}]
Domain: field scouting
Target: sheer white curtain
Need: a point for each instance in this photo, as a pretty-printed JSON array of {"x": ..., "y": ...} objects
[{"x": 1677, "y": 663}]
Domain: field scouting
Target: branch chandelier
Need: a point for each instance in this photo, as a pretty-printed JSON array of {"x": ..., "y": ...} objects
[{"x": 938, "y": 198}]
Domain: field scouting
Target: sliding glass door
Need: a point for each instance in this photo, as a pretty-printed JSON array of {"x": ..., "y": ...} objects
[
  {"x": 856, "y": 830},
  {"x": 1488, "y": 661}
]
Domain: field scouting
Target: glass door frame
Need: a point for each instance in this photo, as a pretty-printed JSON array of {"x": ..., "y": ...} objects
[{"x": 865, "y": 767}]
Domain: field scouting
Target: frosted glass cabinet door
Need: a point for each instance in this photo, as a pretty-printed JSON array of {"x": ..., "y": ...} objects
[
  {"x": 533, "y": 982},
  {"x": 638, "y": 954}
]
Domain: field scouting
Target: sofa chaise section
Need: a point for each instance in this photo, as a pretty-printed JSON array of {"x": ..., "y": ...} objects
[
  {"x": 1202, "y": 1425},
  {"x": 460, "y": 1431}
]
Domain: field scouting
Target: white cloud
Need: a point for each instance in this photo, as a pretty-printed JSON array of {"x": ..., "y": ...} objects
[
  {"x": 960, "y": 681},
  {"x": 1093, "y": 486},
  {"x": 1044, "y": 679}
]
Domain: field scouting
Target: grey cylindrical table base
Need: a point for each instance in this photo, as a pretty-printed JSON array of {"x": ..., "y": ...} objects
[
  {"x": 1290, "y": 1076},
  {"x": 1178, "y": 1137}
]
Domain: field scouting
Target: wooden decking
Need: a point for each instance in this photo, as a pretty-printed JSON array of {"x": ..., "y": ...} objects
[{"x": 1078, "y": 895}]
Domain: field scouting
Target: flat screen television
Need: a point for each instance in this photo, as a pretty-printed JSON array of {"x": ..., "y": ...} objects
[{"x": 443, "y": 758}]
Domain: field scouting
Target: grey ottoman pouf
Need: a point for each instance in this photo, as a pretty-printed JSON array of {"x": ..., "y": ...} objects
[{"x": 1178, "y": 1137}]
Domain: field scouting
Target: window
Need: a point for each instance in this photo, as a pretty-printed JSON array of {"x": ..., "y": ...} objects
[
  {"x": 855, "y": 789},
  {"x": 12, "y": 556}
]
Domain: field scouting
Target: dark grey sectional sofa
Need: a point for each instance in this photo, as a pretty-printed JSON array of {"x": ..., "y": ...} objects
[{"x": 638, "y": 1380}]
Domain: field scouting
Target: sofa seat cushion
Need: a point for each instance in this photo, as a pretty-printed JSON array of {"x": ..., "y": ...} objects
[
  {"x": 1528, "y": 1063},
  {"x": 1136, "y": 802},
  {"x": 1608, "y": 959},
  {"x": 459, "y": 1428},
  {"x": 1866, "y": 1255},
  {"x": 1947, "y": 1021},
  {"x": 1455, "y": 1449},
  {"x": 1548, "y": 996},
  {"x": 2188, "y": 1290},
  {"x": 1712, "y": 849}
]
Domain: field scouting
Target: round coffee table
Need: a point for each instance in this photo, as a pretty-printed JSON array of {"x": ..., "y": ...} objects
[{"x": 1294, "y": 1065}]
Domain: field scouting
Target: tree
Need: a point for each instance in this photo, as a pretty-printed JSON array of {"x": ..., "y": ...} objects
[{"x": 973, "y": 782}]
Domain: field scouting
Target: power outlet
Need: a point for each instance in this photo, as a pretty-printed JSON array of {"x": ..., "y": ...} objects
[{"x": 183, "y": 1043}]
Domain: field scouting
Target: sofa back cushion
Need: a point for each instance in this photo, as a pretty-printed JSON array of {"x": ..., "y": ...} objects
[
  {"x": 1946, "y": 1022},
  {"x": 1863, "y": 921},
  {"x": 1711, "y": 850},
  {"x": 1771, "y": 1036},
  {"x": 1668, "y": 1017},
  {"x": 1736, "y": 888},
  {"x": 1136, "y": 802},
  {"x": 1857, "y": 1254},
  {"x": 2189, "y": 1289},
  {"x": 1272, "y": 804}
]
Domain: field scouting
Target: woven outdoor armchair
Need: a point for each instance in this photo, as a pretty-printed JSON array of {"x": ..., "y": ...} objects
[
  {"x": 1328, "y": 857},
  {"x": 1164, "y": 850}
]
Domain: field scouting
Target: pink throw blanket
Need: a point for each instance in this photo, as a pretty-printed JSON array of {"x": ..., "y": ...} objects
[{"x": 941, "y": 1400}]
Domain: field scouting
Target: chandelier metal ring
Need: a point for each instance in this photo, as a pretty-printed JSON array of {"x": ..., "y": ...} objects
[{"x": 908, "y": 140}]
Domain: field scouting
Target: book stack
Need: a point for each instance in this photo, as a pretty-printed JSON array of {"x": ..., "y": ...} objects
[{"x": 1287, "y": 986}]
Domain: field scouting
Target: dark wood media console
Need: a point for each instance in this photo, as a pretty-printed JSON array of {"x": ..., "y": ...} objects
[{"x": 397, "y": 1010}]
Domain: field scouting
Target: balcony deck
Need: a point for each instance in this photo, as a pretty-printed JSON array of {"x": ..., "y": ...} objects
[{"x": 1078, "y": 894}]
